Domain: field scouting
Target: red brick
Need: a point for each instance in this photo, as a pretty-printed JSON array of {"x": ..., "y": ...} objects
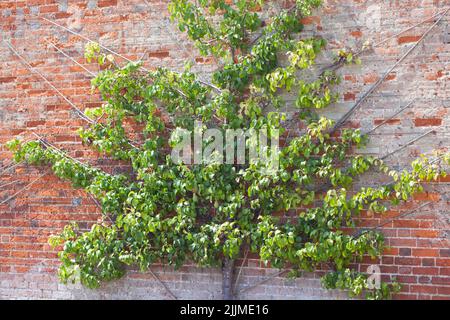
[
  {"x": 406, "y": 224},
  {"x": 431, "y": 242},
  {"x": 416, "y": 252},
  {"x": 36, "y": 2},
  {"x": 430, "y": 122},
  {"x": 7, "y": 79},
  {"x": 428, "y": 262},
  {"x": 444, "y": 290},
  {"x": 158, "y": 54},
  {"x": 349, "y": 96},
  {"x": 444, "y": 253},
  {"x": 48, "y": 9},
  {"x": 356, "y": 34},
  {"x": 402, "y": 242},
  {"x": 390, "y": 122},
  {"x": 407, "y": 261},
  {"x": 425, "y": 270},
  {"x": 371, "y": 78},
  {"x": 63, "y": 15},
  {"x": 406, "y": 279},
  {"x": 391, "y": 77},
  {"x": 36, "y": 123},
  {"x": 389, "y": 269},
  {"x": 439, "y": 298},
  {"x": 107, "y": 3},
  {"x": 424, "y": 279},
  {"x": 423, "y": 289},
  {"x": 310, "y": 20},
  {"x": 426, "y": 196},
  {"x": 405, "y": 296},
  {"x": 435, "y": 75},
  {"x": 424, "y": 233},
  {"x": 444, "y": 179},
  {"x": 441, "y": 280},
  {"x": 66, "y": 138},
  {"x": 418, "y": 256},
  {"x": 390, "y": 252},
  {"x": 203, "y": 60},
  {"x": 351, "y": 78},
  {"x": 404, "y": 252},
  {"x": 444, "y": 262}
]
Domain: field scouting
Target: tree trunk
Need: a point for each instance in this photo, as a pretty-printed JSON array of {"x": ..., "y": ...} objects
[{"x": 227, "y": 279}]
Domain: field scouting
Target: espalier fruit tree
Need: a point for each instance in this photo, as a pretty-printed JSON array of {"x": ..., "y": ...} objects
[{"x": 210, "y": 213}]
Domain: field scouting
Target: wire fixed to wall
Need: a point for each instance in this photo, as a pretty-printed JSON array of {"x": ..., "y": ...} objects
[
  {"x": 78, "y": 111},
  {"x": 47, "y": 144},
  {"x": 116, "y": 53},
  {"x": 347, "y": 115},
  {"x": 371, "y": 131},
  {"x": 72, "y": 59},
  {"x": 9, "y": 184},
  {"x": 339, "y": 123},
  {"x": 11, "y": 167},
  {"x": 442, "y": 14},
  {"x": 407, "y": 144},
  {"x": 385, "y": 121},
  {"x": 325, "y": 186},
  {"x": 112, "y": 51},
  {"x": 401, "y": 216},
  {"x": 23, "y": 189},
  {"x": 341, "y": 63}
]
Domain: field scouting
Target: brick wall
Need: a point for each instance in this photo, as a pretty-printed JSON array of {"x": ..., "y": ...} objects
[{"x": 419, "y": 254}]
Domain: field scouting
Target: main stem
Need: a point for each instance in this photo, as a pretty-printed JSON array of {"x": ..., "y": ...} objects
[{"x": 227, "y": 279}]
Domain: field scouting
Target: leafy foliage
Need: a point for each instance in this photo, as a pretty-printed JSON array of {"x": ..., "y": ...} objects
[{"x": 174, "y": 213}]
